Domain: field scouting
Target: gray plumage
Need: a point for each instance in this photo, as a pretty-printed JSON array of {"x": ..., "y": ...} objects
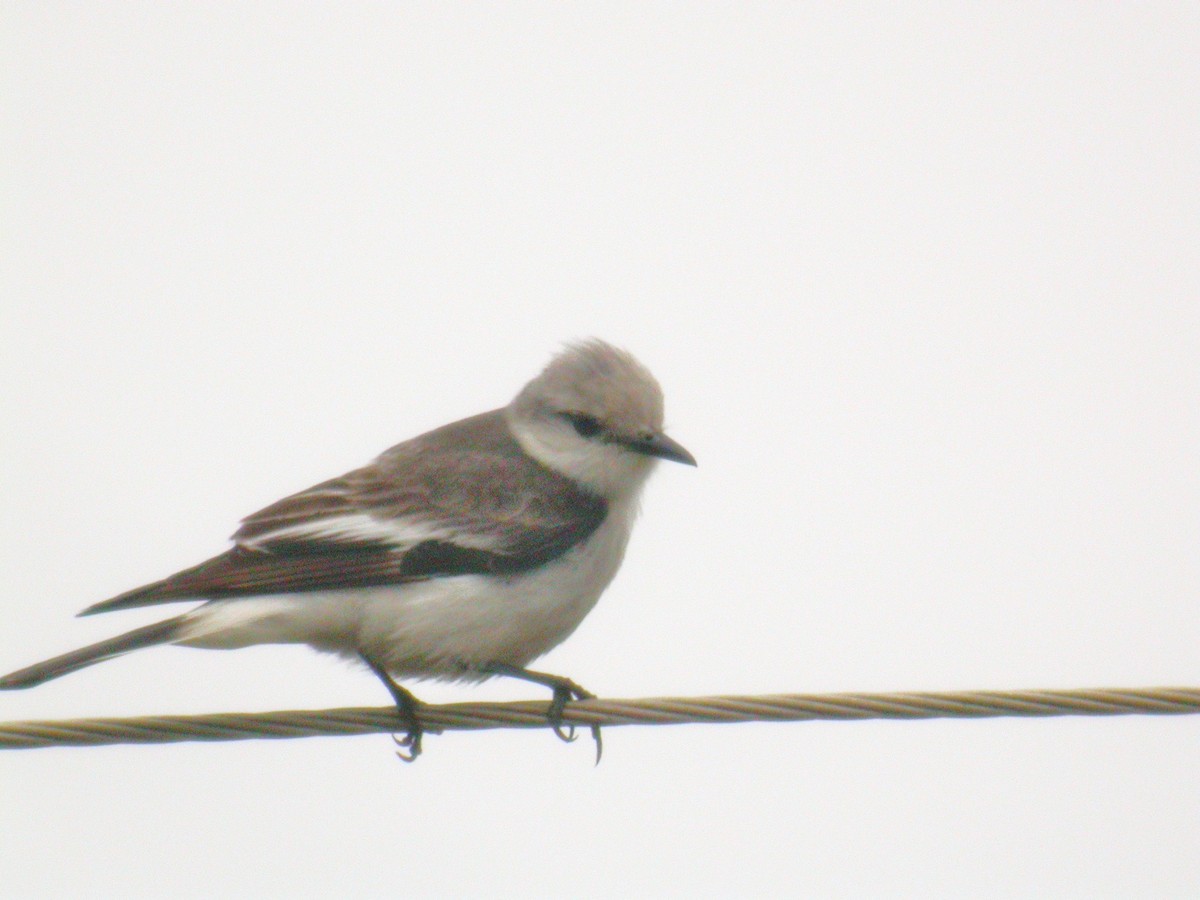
[{"x": 463, "y": 553}]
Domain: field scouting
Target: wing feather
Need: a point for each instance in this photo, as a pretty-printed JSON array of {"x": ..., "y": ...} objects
[{"x": 463, "y": 499}]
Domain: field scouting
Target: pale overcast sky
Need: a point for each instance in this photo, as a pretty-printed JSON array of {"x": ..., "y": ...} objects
[{"x": 921, "y": 284}]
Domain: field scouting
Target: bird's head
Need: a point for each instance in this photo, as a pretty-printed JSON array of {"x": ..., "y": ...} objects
[{"x": 595, "y": 414}]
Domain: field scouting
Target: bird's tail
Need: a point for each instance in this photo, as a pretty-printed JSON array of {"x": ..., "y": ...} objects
[{"x": 147, "y": 636}]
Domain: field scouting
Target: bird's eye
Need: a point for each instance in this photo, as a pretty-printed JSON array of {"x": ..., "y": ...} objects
[{"x": 584, "y": 425}]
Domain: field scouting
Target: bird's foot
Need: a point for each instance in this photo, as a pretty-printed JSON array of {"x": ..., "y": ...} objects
[
  {"x": 409, "y": 746},
  {"x": 565, "y": 690},
  {"x": 564, "y": 693}
]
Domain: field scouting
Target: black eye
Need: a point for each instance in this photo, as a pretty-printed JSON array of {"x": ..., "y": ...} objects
[{"x": 584, "y": 425}]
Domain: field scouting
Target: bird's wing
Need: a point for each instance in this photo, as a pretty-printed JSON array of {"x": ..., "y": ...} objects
[{"x": 464, "y": 499}]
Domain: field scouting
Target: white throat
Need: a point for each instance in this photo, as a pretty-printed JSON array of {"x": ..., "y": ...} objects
[{"x": 605, "y": 469}]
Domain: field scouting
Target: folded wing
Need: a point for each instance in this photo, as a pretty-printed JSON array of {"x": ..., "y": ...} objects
[{"x": 463, "y": 499}]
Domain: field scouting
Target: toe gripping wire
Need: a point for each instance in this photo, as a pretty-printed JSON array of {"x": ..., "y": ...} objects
[
  {"x": 408, "y": 748},
  {"x": 564, "y": 691}
]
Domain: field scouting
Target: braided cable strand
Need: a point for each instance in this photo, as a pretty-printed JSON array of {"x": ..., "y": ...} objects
[{"x": 653, "y": 711}]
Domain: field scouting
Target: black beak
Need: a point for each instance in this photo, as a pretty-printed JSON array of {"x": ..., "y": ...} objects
[{"x": 658, "y": 444}]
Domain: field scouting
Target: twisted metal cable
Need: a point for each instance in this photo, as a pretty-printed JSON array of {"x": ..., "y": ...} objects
[{"x": 652, "y": 711}]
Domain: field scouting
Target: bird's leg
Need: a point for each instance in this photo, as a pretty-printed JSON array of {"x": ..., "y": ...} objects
[
  {"x": 406, "y": 709},
  {"x": 564, "y": 690}
]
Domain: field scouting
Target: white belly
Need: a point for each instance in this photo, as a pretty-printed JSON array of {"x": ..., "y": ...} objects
[{"x": 436, "y": 628}]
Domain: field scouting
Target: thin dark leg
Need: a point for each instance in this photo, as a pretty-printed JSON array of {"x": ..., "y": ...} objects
[
  {"x": 406, "y": 709},
  {"x": 564, "y": 690}
]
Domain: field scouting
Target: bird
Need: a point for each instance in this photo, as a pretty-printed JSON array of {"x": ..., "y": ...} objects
[{"x": 459, "y": 555}]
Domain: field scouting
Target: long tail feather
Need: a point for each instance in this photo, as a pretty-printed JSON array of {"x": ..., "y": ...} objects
[{"x": 147, "y": 636}]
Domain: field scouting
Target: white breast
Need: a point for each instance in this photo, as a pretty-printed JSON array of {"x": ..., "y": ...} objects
[{"x": 436, "y": 627}]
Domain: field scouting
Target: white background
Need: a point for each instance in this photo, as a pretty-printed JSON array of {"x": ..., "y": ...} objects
[{"x": 920, "y": 282}]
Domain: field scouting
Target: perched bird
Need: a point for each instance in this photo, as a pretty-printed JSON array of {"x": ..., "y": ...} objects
[{"x": 464, "y": 553}]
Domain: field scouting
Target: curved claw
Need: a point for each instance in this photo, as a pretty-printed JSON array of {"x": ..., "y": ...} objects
[
  {"x": 555, "y": 715},
  {"x": 599, "y": 743},
  {"x": 568, "y": 735},
  {"x": 558, "y": 705},
  {"x": 412, "y": 741},
  {"x": 579, "y": 693}
]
